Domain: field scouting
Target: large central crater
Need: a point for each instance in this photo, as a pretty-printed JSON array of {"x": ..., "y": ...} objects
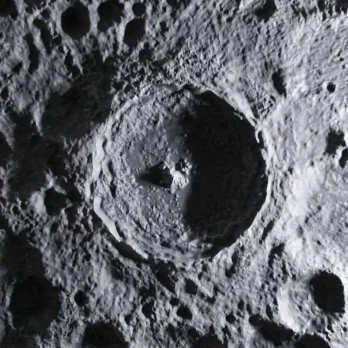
[{"x": 178, "y": 173}]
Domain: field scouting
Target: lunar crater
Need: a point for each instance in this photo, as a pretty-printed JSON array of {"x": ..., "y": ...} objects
[{"x": 193, "y": 164}]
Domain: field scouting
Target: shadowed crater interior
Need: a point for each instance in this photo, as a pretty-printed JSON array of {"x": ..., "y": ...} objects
[
  {"x": 34, "y": 304},
  {"x": 328, "y": 292},
  {"x": 311, "y": 341},
  {"x": 103, "y": 335},
  {"x": 228, "y": 184},
  {"x": 109, "y": 12},
  {"x": 75, "y": 21}
]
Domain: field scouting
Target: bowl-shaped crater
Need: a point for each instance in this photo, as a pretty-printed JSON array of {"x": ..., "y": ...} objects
[{"x": 181, "y": 175}]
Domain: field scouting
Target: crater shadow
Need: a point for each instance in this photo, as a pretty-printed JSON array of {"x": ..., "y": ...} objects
[
  {"x": 20, "y": 258},
  {"x": 103, "y": 334},
  {"x": 328, "y": 292},
  {"x": 34, "y": 305},
  {"x": 228, "y": 183}
]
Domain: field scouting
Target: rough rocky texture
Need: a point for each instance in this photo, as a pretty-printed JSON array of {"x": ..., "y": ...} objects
[{"x": 173, "y": 173}]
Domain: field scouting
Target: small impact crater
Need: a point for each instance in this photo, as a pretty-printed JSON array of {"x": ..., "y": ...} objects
[
  {"x": 134, "y": 32},
  {"x": 278, "y": 82},
  {"x": 266, "y": 11},
  {"x": 109, "y": 12},
  {"x": 103, "y": 335},
  {"x": 34, "y": 305},
  {"x": 54, "y": 201},
  {"x": 328, "y": 292},
  {"x": 334, "y": 140},
  {"x": 184, "y": 312},
  {"x": 331, "y": 87},
  {"x": 80, "y": 298},
  {"x": 75, "y": 21}
]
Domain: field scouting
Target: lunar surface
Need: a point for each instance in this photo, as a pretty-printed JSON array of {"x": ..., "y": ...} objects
[{"x": 173, "y": 173}]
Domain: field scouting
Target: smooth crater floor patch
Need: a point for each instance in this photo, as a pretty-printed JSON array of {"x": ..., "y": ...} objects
[{"x": 182, "y": 174}]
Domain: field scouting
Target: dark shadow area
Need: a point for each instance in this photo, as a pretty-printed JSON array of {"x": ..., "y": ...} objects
[
  {"x": 311, "y": 341},
  {"x": 209, "y": 341},
  {"x": 72, "y": 69},
  {"x": 275, "y": 254},
  {"x": 80, "y": 298},
  {"x": 148, "y": 297},
  {"x": 158, "y": 175},
  {"x": 54, "y": 202},
  {"x": 344, "y": 158},
  {"x": 139, "y": 9},
  {"x": 328, "y": 292},
  {"x": 8, "y": 8},
  {"x": 166, "y": 274},
  {"x": 176, "y": 4},
  {"x": 278, "y": 82},
  {"x": 15, "y": 339},
  {"x": 103, "y": 335},
  {"x": 267, "y": 231},
  {"x": 70, "y": 115},
  {"x": 75, "y": 21},
  {"x": 342, "y": 6},
  {"x": 331, "y": 87},
  {"x": 45, "y": 34},
  {"x": 191, "y": 287},
  {"x": 334, "y": 140},
  {"x": 134, "y": 32},
  {"x": 34, "y": 3},
  {"x": 266, "y": 11},
  {"x": 34, "y": 305},
  {"x": 321, "y": 5},
  {"x": 228, "y": 184},
  {"x": 109, "y": 12},
  {"x": 272, "y": 332},
  {"x": 299, "y": 11},
  {"x": 5, "y": 151},
  {"x": 149, "y": 310},
  {"x": 20, "y": 259},
  {"x": 26, "y": 176},
  {"x": 173, "y": 3},
  {"x": 34, "y": 54},
  {"x": 184, "y": 312}
]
